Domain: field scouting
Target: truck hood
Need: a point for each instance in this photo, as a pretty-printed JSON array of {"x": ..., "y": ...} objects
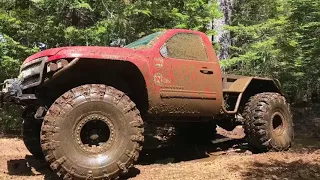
[
  {"x": 87, "y": 52},
  {"x": 48, "y": 52}
]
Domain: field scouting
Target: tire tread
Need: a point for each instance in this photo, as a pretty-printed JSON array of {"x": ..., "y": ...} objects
[
  {"x": 256, "y": 126},
  {"x": 92, "y": 91}
]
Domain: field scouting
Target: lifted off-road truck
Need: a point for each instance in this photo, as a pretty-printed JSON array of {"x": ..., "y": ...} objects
[{"x": 85, "y": 108}]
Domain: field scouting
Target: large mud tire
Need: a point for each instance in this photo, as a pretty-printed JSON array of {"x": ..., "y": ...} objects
[
  {"x": 31, "y": 133},
  {"x": 269, "y": 125},
  {"x": 69, "y": 145}
]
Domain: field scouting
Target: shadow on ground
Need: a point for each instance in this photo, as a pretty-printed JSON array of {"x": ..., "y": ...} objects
[
  {"x": 30, "y": 167},
  {"x": 307, "y": 128},
  {"x": 297, "y": 170},
  {"x": 178, "y": 154},
  {"x": 33, "y": 167}
]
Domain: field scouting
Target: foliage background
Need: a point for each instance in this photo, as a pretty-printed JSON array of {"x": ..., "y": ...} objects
[
  {"x": 280, "y": 39},
  {"x": 274, "y": 38}
]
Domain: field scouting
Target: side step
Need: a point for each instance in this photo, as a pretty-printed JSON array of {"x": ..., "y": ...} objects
[{"x": 236, "y": 133}]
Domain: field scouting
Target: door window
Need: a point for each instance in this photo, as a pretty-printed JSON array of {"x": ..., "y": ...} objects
[{"x": 185, "y": 46}]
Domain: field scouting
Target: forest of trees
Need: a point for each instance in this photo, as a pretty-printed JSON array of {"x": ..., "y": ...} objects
[
  {"x": 280, "y": 39},
  {"x": 273, "y": 38}
]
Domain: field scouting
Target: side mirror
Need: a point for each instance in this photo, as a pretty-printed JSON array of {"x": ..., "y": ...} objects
[
  {"x": 164, "y": 50},
  {"x": 118, "y": 42}
]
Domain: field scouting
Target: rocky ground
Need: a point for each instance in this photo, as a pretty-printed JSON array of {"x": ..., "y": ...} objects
[{"x": 229, "y": 160}]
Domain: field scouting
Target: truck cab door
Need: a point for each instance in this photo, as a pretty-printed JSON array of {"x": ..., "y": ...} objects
[{"x": 185, "y": 78}]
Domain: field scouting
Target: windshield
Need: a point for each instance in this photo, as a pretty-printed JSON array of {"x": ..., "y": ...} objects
[{"x": 144, "y": 42}]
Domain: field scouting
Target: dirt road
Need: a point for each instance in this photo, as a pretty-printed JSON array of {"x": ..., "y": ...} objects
[
  {"x": 228, "y": 161},
  {"x": 231, "y": 160}
]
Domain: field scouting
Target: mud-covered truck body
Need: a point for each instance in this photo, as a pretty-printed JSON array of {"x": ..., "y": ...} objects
[{"x": 85, "y": 107}]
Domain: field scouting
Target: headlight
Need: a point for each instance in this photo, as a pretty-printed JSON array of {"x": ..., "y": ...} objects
[{"x": 31, "y": 72}]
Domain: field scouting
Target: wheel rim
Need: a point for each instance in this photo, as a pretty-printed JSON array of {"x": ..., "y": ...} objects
[
  {"x": 278, "y": 123},
  {"x": 94, "y": 133}
]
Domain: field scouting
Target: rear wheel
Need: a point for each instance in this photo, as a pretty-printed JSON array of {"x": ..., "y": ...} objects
[
  {"x": 92, "y": 132},
  {"x": 269, "y": 123},
  {"x": 31, "y": 133}
]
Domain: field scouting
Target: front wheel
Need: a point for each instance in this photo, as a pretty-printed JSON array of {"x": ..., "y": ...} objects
[
  {"x": 30, "y": 132},
  {"x": 269, "y": 123},
  {"x": 92, "y": 132}
]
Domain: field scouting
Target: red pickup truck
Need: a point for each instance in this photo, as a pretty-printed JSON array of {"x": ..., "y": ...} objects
[{"x": 85, "y": 107}]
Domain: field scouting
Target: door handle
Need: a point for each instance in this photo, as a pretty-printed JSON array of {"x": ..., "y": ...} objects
[{"x": 206, "y": 71}]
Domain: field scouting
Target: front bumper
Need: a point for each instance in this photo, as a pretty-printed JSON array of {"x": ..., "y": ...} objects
[
  {"x": 11, "y": 89},
  {"x": 31, "y": 75},
  {"x": 11, "y": 92}
]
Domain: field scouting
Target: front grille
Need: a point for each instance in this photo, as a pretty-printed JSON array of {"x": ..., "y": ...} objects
[
  {"x": 31, "y": 72},
  {"x": 36, "y": 64},
  {"x": 31, "y": 64},
  {"x": 31, "y": 80}
]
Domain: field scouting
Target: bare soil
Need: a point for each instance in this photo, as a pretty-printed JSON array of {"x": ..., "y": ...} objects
[{"x": 230, "y": 160}]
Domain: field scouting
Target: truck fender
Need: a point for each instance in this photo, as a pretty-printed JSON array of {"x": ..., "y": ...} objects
[
  {"x": 245, "y": 87},
  {"x": 246, "y": 83},
  {"x": 59, "y": 69}
]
